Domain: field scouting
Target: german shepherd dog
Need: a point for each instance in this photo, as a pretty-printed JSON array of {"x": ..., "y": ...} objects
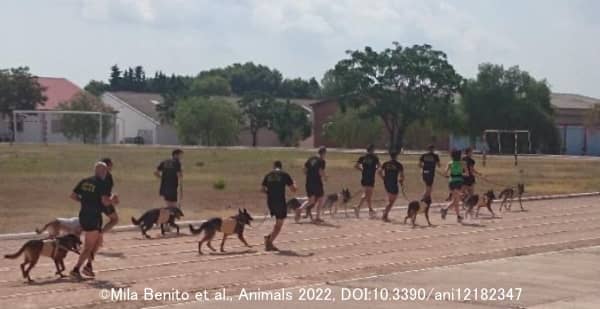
[
  {"x": 61, "y": 225},
  {"x": 56, "y": 249},
  {"x": 416, "y": 207},
  {"x": 507, "y": 195},
  {"x": 469, "y": 203},
  {"x": 161, "y": 216},
  {"x": 488, "y": 199},
  {"x": 227, "y": 226},
  {"x": 330, "y": 203}
]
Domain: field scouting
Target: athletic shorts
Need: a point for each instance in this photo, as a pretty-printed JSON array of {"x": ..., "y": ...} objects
[
  {"x": 392, "y": 187},
  {"x": 109, "y": 210},
  {"x": 469, "y": 180},
  {"x": 278, "y": 209},
  {"x": 170, "y": 195},
  {"x": 455, "y": 185},
  {"x": 315, "y": 190},
  {"x": 368, "y": 182},
  {"x": 90, "y": 221},
  {"x": 428, "y": 179}
]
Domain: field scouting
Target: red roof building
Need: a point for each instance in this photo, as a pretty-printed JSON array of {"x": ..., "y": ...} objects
[{"x": 58, "y": 90}]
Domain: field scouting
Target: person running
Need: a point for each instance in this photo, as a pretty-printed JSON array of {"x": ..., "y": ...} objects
[
  {"x": 368, "y": 164},
  {"x": 314, "y": 168},
  {"x": 274, "y": 185},
  {"x": 93, "y": 195},
  {"x": 170, "y": 174},
  {"x": 469, "y": 181},
  {"x": 392, "y": 173},
  {"x": 455, "y": 172},
  {"x": 428, "y": 162}
]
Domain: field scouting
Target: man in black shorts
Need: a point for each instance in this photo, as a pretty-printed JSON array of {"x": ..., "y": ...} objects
[
  {"x": 469, "y": 179},
  {"x": 314, "y": 168},
  {"x": 170, "y": 174},
  {"x": 368, "y": 164},
  {"x": 93, "y": 195},
  {"x": 428, "y": 162},
  {"x": 392, "y": 173},
  {"x": 274, "y": 185}
]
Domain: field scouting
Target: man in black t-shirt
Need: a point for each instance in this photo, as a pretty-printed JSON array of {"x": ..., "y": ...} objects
[
  {"x": 428, "y": 162},
  {"x": 274, "y": 185},
  {"x": 170, "y": 174},
  {"x": 368, "y": 164},
  {"x": 469, "y": 179},
  {"x": 93, "y": 195},
  {"x": 392, "y": 173},
  {"x": 314, "y": 168}
]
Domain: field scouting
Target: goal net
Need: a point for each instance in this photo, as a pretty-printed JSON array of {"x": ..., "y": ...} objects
[
  {"x": 47, "y": 127},
  {"x": 513, "y": 142}
]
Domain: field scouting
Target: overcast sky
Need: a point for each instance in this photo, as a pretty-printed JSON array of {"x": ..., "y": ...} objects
[{"x": 81, "y": 39}]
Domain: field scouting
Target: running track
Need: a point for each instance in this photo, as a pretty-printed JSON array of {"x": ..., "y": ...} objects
[{"x": 342, "y": 249}]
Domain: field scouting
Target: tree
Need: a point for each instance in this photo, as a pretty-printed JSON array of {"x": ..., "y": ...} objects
[
  {"x": 250, "y": 77},
  {"x": 257, "y": 107},
  {"x": 350, "y": 129},
  {"x": 19, "y": 90},
  {"x": 115, "y": 80},
  {"x": 299, "y": 88},
  {"x": 96, "y": 88},
  {"x": 510, "y": 99},
  {"x": 330, "y": 85},
  {"x": 207, "y": 121},
  {"x": 210, "y": 85},
  {"x": 84, "y": 126},
  {"x": 399, "y": 85},
  {"x": 290, "y": 122}
]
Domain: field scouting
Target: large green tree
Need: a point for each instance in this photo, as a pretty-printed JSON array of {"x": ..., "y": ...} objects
[
  {"x": 290, "y": 122},
  {"x": 511, "y": 99},
  {"x": 86, "y": 127},
  {"x": 257, "y": 108},
  {"x": 350, "y": 129},
  {"x": 207, "y": 121},
  {"x": 210, "y": 85},
  {"x": 399, "y": 85},
  {"x": 19, "y": 90}
]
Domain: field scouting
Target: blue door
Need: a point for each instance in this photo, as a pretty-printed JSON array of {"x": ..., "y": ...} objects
[{"x": 575, "y": 140}]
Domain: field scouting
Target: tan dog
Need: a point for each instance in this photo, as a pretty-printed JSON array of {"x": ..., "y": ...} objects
[
  {"x": 61, "y": 226},
  {"x": 56, "y": 249},
  {"x": 227, "y": 226}
]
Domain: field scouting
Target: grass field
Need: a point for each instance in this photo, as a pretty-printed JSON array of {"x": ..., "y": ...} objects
[{"x": 37, "y": 180}]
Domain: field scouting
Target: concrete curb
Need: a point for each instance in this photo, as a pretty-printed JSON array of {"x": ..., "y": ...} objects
[{"x": 126, "y": 228}]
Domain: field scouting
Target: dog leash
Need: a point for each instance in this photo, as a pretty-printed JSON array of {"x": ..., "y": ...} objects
[{"x": 404, "y": 192}]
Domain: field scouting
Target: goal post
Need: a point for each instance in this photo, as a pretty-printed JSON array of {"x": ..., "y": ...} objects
[
  {"x": 489, "y": 134},
  {"x": 46, "y": 127}
]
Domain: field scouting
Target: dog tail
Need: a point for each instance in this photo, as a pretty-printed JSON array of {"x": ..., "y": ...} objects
[
  {"x": 196, "y": 231},
  {"x": 136, "y": 222},
  {"x": 15, "y": 255}
]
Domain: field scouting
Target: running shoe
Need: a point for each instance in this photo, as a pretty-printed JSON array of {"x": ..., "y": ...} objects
[
  {"x": 88, "y": 271},
  {"x": 75, "y": 274}
]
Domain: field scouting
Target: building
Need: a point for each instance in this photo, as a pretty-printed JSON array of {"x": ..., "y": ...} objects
[{"x": 570, "y": 113}]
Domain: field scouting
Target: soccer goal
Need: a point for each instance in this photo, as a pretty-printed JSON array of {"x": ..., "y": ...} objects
[
  {"x": 506, "y": 142},
  {"x": 47, "y": 127}
]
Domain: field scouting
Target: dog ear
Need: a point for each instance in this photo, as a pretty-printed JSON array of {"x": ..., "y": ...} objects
[{"x": 245, "y": 211}]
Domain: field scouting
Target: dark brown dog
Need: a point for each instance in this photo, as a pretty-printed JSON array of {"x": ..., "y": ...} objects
[
  {"x": 416, "y": 207},
  {"x": 56, "y": 249},
  {"x": 507, "y": 195},
  {"x": 227, "y": 226}
]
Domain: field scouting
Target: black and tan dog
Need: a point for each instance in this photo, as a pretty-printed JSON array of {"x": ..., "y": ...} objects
[
  {"x": 486, "y": 201},
  {"x": 56, "y": 249},
  {"x": 417, "y": 207},
  {"x": 507, "y": 195},
  {"x": 227, "y": 226},
  {"x": 160, "y": 216},
  {"x": 330, "y": 204}
]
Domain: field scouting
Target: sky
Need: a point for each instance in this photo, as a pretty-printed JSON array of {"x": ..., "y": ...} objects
[{"x": 558, "y": 40}]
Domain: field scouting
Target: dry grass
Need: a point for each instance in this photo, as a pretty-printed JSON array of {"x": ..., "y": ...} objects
[{"x": 37, "y": 180}]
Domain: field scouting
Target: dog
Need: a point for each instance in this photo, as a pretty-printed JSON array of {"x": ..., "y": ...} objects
[
  {"x": 227, "y": 226},
  {"x": 330, "y": 203},
  {"x": 507, "y": 195},
  {"x": 416, "y": 207},
  {"x": 62, "y": 226},
  {"x": 56, "y": 249},
  {"x": 469, "y": 203},
  {"x": 160, "y": 216},
  {"x": 488, "y": 199}
]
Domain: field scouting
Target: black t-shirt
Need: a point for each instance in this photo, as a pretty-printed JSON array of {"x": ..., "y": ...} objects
[
  {"x": 90, "y": 191},
  {"x": 391, "y": 170},
  {"x": 109, "y": 182},
  {"x": 430, "y": 160},
  {"x": 169, "y": 169},
  {"x": 313, "y": 166},
  {"x": 275, "y": 182},
  {"x": 470, "y": 164},
  {"x": 369, "y": 163}
]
